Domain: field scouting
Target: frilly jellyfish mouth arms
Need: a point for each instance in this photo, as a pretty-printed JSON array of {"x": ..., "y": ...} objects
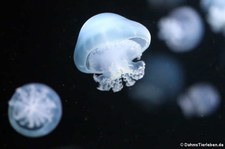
[{"x": 107, "y": 44}]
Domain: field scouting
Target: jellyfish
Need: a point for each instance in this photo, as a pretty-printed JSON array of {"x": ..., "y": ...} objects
[
  {"x": 163, "y": 80},
  {"x": 107, "y": 46},
  {"x": 215, "y": 10},
  {"x": 34, "y": 110},
  {"x": 182, "y": 30},
  {"x": 200, "y": 100}
]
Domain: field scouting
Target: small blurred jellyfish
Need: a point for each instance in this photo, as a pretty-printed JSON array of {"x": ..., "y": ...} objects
[
  {"x": 215, "y": 14},
  {"x": 34, "y": 110},
  {"x": 107, "y": 45},
  {"x": 182, "y": 30},
  {"x": 164, "y": 79},
  {"x": 200, "y": 100},
  {"x": 164, "y": 4}
]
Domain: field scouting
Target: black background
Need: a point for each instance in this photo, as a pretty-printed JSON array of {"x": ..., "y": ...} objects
[{"x": 37, "y": 45}]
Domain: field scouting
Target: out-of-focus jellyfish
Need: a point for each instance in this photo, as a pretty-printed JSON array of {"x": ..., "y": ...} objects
[
  {"x": 107, "y": 45},
  {"x": 34, "y": 110},
  {"x": 164, "y": 79},
  {"x": 182, "y": 30},
  {"x": 200, "y": 100},
  {"x": 164, "y": 4},
  {"x": 215, "y": 14}
]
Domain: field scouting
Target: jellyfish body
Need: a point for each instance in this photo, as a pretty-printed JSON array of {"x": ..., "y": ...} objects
[
  {"x": 200, "y": 100},
  {"x": 215, "y": 14},
  {"x": 182, "y": 30},
  {"x": 34, "y": 110},
  {"x": 163, "y": 80},
  {"x": 107, "y": 45}
]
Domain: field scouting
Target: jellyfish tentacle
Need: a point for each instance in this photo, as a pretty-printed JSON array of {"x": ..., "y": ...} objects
[
  {"x": 137, "y": 72},
  {"x": 106, "y": 83}
]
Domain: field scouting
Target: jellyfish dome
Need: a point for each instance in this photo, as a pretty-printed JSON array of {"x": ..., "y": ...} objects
[
  {"x": 215, "y": 14},
  {"x": 106, "y": 47},
  {"x": 163, "y": 80},
  {"x": 34, "y": 110},
  {"x": 206, "y": 4},
  {"x": 200, "y": 100},
  {"x": 182, "y": 30}
]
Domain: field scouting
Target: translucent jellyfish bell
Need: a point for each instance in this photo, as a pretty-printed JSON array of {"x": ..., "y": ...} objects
[
  {"x": 215, "y": 14},
  {"x": 34, "y": 110},
  {"x": 182, "y": 30},
  {"x": 107, "y": 45},
  {"x": 163, "y": 80},
  {"x": 200, "y": 100}
]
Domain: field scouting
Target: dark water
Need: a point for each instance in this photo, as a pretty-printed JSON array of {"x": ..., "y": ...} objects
[{"x": 38, "y": 40}]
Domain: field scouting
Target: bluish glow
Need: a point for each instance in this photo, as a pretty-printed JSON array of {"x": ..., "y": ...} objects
[
  {"x": 107, "y": 45},
  {"x": 215, "y": 14},
  {"x": 182, "y": 30},
  {"x": 34, "y": 110},
  {"x": 163, "y": 80},
  {"x": 200, "y": 100}
]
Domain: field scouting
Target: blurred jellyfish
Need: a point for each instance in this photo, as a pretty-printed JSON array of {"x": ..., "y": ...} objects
[
  {"x": 163, "y": 80},
  {"x": 200, "y": 100},
  {"x": 182, "y": 30},
  {"x": 164, "y": 4},
  {"x": 34, "y": 110},
  {"x": 107, "y": 45},
  {"x": 215, "y": 14},
  {"x": 206, "y": 4}
]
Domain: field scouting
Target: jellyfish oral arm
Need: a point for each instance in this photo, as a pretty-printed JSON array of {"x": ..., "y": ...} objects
[
  {"x": 115, "y": 82},
  {"x": 116, "y": 67}
]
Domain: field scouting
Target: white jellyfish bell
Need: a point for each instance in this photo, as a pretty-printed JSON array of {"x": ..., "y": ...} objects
[
  {"x": 200, "y": 100},
  {"x": 215, "y": 10},
  {"x": 35, "y": 110},
  {"x": 107, "y": 45},
  {"x": 182, "y": 29},
  {"x": 163, "y": 81}
]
